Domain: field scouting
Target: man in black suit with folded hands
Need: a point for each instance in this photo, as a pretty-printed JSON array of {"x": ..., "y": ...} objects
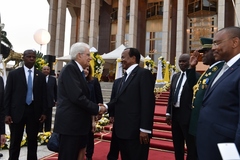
[
  {"x": 25, "y": 105},
  {"x": 179, "y": 110},
  {"x": 133, "y": 108},
  {"x": 46, "y": 126}
]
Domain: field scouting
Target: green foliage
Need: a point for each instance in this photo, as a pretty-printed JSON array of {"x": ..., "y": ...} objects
[{"x": 40, "y": 62}]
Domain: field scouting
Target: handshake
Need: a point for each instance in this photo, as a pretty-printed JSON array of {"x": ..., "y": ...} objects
[{"x": 102, "y": 109}]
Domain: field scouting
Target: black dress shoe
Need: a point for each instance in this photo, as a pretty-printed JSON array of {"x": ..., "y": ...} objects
[{"x": 1, "y": 154}]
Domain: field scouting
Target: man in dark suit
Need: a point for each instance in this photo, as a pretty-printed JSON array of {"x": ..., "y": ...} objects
[
  {"x": 25, "y": 105},
  {"x": 2, "y": 115},
  {"x": 219, "y": 115},
  {"x": 203, "y": 82},
  {"x": 134, "y": 108},
  {"x": 74, "y": 109},
  {"x": 179, "y": 111},
  {"x": 114, "y": 148},
  {"x": 51, "y": 99}
]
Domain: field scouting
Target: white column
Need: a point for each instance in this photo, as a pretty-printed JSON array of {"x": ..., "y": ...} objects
[
  {"x": 180, "y": 27},
  {"x": 75, "y": 23},
  {"x": 221, "y": 14},
  {"x": 133, "y": 23},
  {"x": 94, "y": 21},
  {"x": 166, "y": 30},
  {"x": 60, "y": 31},
  {"x": 84, "y": 21},
  {"x": 237, "y": 13},
  {"x": 121, "y": 22},
  {"x": 52, "y": 23},
  {"x": 74, "y": 28}
]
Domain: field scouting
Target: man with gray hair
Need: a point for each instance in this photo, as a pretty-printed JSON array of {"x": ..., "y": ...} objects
[{"x": 74, "y": 109}]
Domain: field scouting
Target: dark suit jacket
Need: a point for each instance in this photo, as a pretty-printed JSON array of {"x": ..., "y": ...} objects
[
  {"x": 219, "y": 119},
  {"x": 134, "y": 105},
  {"x": 16, "y": 91},
  {"x": 2, "y": 115},
  {"x": 51, "y": 91},
  {"x": 185, "y": 100},
  {"x": 115, "y": 89},
  {"x": 74, "y": 109}
]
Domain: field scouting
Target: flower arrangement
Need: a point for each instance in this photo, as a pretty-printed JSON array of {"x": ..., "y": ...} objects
[
  {"x": 164, "y": 64},
  {"x": 40, "y": 62},
  {"x": 98, "y": 65},
  {"x": 102, "y": 122},
  {"x": 150, "y": 64}
]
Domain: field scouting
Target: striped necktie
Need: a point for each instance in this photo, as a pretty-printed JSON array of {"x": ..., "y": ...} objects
[{"x": 175, "y": 97}]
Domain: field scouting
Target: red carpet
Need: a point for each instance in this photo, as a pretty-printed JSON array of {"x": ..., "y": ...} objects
[{"x": 102, "y": 148}]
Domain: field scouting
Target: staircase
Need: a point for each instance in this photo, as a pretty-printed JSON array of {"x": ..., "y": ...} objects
[
  {"x": 106, "y": 90},
  {"x": 162, "y": 136}
]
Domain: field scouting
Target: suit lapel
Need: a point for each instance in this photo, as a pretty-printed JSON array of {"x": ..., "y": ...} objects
[
  {"x": 35, "y": 77},
  {"x": 175, "y": 81},
  {"x": 129, "y": 79},
  {"x": 225, "y": 75},
  {"x": 83, "y": 81},
  {"x": 23, "y": 77}
]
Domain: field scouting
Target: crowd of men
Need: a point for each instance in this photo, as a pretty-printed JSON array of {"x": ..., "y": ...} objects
[
  {"x": 205, "y": 113},
  {"x": 203, "y": 109}
]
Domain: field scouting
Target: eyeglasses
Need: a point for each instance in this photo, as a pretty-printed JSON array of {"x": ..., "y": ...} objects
[{"x": 216, "y": 43}]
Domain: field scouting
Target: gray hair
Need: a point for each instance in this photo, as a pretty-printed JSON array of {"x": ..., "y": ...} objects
[{"x": 78, "y": 47}]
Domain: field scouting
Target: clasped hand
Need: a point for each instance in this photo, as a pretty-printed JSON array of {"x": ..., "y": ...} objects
[{"x": 103, "y": 109}]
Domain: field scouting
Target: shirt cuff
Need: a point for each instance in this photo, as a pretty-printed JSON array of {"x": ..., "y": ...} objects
[{"x": 145, "y": 131}]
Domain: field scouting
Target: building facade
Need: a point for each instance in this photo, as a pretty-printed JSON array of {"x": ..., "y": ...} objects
[{"x": 157, "y": 28}]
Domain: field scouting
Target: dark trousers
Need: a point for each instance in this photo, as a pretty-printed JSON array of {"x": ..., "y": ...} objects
[
  {"x": 131, "y": 149},
  {"x": 69, "y": 146},
  {"x": 90, "y": 145},
  {"x": 47, "y": 124},
  {"x": 114, "y": 147},
  {"x": 16, "y": 134},
  {"x": 180, "y": 136}
]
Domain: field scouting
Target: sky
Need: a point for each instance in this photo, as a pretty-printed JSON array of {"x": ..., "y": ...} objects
[{"x": 22, "y": 18}]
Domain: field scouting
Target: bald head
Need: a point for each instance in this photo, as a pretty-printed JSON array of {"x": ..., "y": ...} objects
[
  {"x": 46, "y": 70},
  {"x": 183, "y": 61}
]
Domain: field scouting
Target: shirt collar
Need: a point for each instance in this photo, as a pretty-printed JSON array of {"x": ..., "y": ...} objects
[
  {"x": 131, "y": 68},
  {"x": 26, "y": 69},
  {"x": 79, "y": 66},
  {"x": 214, "y": 64},
  {"x": 233, "y": 60}
]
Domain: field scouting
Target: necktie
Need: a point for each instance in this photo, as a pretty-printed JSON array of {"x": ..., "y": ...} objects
[
  {"x": 29, "y": 91},
  {"x": 175, "y": 98},
  {"x": 123, "y": 80},
  {"x": 224, "y": 68},
  {"x": 83, "y": 74}
]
